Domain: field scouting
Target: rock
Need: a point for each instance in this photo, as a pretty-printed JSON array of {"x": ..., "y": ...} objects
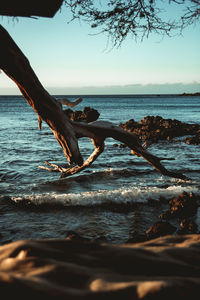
[
  {"x": 197, "y": 94},
  {"x": 156, "y": 128},
  {"x": 183, "y": 208},
  {"x": 122, "y": 146},
  {"x": 74, "y": 236},
  {"x": 87, "y": 115},
  {"x": 130, "y": 125},
  {"x": 160, "y": 229},
  {"x": 90, "y": 114},
  {"x": 184, "y": 205},
  {"x": 165, "y": 215},
  {"x": 188, "y": 226},
  {"x": 195, "y": 140}
]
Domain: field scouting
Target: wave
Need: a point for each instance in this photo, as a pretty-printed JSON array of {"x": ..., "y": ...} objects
[
  {"x": 122, "y": 196},
  {"x": 9, "y": 175}
]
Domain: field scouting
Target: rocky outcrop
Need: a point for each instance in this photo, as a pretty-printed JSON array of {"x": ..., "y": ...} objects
[
  {"x": 195, "y": 140},
  {"x": 178, "y": 219},
  {"x": 187, "y": 226},
  {"x": 163, "y": 268},
  {"x": 182, "y": 206},
  {"x": 197, "y": 94},
  {"x": 87, "y": 115},
  {"x": 153, "y": 129}
]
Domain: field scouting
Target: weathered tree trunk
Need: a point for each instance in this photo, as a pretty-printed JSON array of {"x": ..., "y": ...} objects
[
  {"x": 17, "y": 67},
  {"x": 98, "y": 131}
]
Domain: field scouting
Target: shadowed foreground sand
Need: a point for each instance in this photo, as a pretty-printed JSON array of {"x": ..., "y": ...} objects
[{"x": 163, "y": 268}]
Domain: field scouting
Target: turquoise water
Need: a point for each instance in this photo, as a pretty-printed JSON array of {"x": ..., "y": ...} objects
[{"x": 83, "y": 203}]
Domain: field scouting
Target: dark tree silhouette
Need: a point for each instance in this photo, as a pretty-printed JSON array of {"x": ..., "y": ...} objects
[
  {"x": 45, "y": 8},
  {"x": 136, "y": 18}
]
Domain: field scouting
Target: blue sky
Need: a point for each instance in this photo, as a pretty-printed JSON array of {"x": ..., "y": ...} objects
[{"x": 68, "y": 60}]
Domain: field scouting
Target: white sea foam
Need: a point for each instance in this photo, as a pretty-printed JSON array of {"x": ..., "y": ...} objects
[{"x": 100, "y": 197}]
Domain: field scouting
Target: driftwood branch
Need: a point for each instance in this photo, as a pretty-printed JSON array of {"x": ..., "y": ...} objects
[
  {"x": 53, "y": 167},
  {"x": 69, "y": 103},
  {"x": 98, "y": 131},
  {"x": 14, "y": 63},
  {"x": 99, "y": 148}
]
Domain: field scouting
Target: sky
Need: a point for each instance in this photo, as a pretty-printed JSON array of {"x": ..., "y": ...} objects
[{"x": 69, "y": 59}]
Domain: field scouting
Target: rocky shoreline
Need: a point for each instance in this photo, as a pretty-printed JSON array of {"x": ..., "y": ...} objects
[
  {"x": 182, "y": 211},
  {"x": 152, "y": 129},
  {"x": 177, "y": 216}
]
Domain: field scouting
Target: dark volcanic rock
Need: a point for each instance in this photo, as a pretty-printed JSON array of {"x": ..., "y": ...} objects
[
  {"x": 156, "y": 128},
  {"x": 188, "y": 227},
  {"x": 182, "y": 206},
  {"x": 191, "y": 94},
  {"x": 195, "y": 140},
  {"x": 183, "y": 209},
  {"x": 160, "y": 229},
  {"x": 87, "y": 115}
]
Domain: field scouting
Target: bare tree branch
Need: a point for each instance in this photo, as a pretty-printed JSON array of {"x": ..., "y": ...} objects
[
  {"x": 136, "y": 18},
  {"x": 69, "y": 103}
]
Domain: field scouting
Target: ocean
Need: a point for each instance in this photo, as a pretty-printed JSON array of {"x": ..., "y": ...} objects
[{"x": 117, "y": 196}]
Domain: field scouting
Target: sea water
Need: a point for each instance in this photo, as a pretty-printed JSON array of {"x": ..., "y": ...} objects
[{"x": 109, "y": 200}]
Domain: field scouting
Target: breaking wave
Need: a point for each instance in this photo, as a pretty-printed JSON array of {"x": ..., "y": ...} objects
[{"x": 121, "y": 196}]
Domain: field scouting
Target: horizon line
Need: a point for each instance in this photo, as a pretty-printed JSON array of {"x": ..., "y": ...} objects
[{"x": 114, "y": 94}]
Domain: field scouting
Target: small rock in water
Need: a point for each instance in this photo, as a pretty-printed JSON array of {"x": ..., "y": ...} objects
[
  {"x": 122, "y": 146},
  {"x": 74, "y": 236},
  {"x": 184, "y": 205},
  {"x": 87, "y": 115},
  {"x": 160, "y": 229},
  {"x": 188, "y": 227},
  {"x": 195, "y": 140}
]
